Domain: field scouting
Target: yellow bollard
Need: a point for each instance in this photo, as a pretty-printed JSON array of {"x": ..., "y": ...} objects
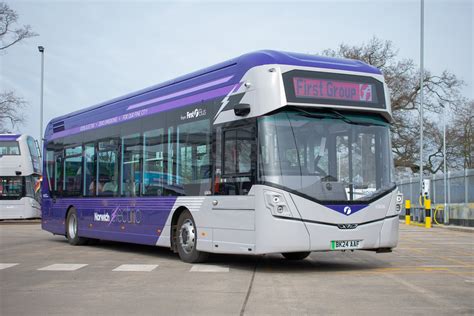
[
  {"x": 407, "y": 212},
  {"x": 427, "y": 213}
]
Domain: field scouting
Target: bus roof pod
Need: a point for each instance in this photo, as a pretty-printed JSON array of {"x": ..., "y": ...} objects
[{"x": 237, "y": 67}]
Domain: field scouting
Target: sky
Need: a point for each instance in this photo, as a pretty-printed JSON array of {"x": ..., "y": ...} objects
[{"x": 99, "y": 50}]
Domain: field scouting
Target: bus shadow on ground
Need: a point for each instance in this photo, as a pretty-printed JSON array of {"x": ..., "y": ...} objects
[
  {"x": 275, "y": 263},
  {"x": 272, "y": 263},
  {"x": 121, "y": 247}
]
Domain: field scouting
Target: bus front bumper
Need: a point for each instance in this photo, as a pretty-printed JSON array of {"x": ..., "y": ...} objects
[{"x": 299, "y": 236}]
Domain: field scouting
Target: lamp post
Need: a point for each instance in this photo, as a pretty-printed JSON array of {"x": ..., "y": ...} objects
[
  {"x": 41, "y": 50},
  {"x": 421, "y": 97},
  {"x": 446, "y": 210}
]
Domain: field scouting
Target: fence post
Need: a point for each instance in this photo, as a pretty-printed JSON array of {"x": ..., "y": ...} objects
[
  {"x": 407, "y": 212},
  {"x": 427, "y": 213},
  {"x": 466, "y": 188},
  {"x": 449, "y": 196}
]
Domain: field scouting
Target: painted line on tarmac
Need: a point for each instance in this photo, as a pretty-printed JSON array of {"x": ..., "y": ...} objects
[
  {"x": 446, "y": 266},
  {"x": 452, "y": 243},
  {"x": 435, "y": 299},
  {"x": 63, "y": 267},
  {"x": 417, "y": 250},
  {"x": 136, "y": 267},
  {"x": 7, "y": 265},
  {"x": 208, "y": 268}
]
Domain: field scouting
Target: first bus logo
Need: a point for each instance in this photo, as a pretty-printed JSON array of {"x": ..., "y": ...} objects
[{"x": 193, "y": 114}]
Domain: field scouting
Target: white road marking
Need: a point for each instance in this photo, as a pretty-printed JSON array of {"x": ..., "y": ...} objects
[
  {"x": 136, "y": 267},
  {"x": 7, "y": 265},
  {"x": 444, "y": 266},
  {"x": 63, "y": 267},
  {"x": 451, "y": 243},
  {"x": 208, "y": 268},
  {"x": 415, "y": 288}
]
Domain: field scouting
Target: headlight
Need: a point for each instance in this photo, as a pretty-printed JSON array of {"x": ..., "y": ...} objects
[
  {"x": 276, "y": 203},
  {"x": 399, "y": 199}
]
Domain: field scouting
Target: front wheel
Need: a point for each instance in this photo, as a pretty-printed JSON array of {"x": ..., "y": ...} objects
[
  {"x": 71, "y": 229},
  {"x": 187, "y": 240},
  {"x": 296, "y": 255}
]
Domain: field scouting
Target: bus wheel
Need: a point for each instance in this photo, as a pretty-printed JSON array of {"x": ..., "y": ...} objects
[
  {"x": 187, "y": 240},
  {"x": 71, "y": 229},
  {"x": 296, "y": 255}
]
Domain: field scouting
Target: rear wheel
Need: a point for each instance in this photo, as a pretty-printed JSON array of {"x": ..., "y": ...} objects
[
  {"x": 71, "y": 229},
  {"x": 296, "y": 255},
  {"x": 187, "y": 240}
]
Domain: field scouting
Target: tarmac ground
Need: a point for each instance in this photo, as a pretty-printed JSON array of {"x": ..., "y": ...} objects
[{"x": 431, "y": 272}]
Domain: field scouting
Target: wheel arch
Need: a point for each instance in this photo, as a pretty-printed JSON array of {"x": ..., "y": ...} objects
[
  {"x": 68, "y": 209},
  {"x": 174, "y": 222}
]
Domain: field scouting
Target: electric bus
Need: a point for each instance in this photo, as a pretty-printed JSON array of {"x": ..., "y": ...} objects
[
  {"x": 269, "y": 152},
  {"x": 20, "y": 175}
]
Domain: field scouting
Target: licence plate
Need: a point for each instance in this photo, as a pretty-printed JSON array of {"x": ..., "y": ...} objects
[{"x": 346, "y": 244}]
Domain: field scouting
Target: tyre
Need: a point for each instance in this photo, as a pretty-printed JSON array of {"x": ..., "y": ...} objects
[
  {"x": 296, "y": 255},
  {"x": 186, "y": 240},
  {"x": 72, "y": 224}
]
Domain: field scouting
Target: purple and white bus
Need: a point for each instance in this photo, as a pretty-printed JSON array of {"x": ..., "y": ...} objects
[
  {"x": 270, "y": 152},
  {"x": 20, "y": 174}
]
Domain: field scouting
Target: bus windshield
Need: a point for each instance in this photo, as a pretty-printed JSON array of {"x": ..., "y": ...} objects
[
  {"x": 8, "y": 148},
  {"x": 325, "y": 155},
  {"x": 11, "y": 188}
]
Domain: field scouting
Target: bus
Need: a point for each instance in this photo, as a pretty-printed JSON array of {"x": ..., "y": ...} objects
[
  {"x": 269, "y": 152},
  {"x": 20, "y": 174}
]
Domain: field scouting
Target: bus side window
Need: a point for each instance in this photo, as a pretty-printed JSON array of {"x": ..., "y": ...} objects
[
  {"x": 90, "y": 170},
  {"x": 58, "y": 174},
  {"x": 108, "y": 167},
  {"x": 132, "y": 151},
  {"x": 34, "y": 154},
  {"x": 73, "y": 171},
  {"x": 49, "y": 167},
  {"x": 238, "y": 160},
  {"x": 193, "y": 157},
  {"x": 154, "y": 178}
]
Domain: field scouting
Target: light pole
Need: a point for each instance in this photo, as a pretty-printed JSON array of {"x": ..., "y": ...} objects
[
  {"x": 446, "y": 210},
  {"x": 421, "y": 97},
  {"x": 41, "y": 50}
]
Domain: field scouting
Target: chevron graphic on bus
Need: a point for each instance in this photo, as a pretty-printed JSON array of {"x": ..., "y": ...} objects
[{"x": 347, "y": 209}]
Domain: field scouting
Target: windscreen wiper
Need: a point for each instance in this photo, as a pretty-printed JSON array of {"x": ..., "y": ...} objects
[
  {"x": 328, "y": 113},
  {"x": 333, "y": 114},
  {"x": 311, "y": 114}
]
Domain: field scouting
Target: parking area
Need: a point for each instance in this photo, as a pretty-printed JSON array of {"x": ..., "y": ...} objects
[{"x": 431, "y": 272}]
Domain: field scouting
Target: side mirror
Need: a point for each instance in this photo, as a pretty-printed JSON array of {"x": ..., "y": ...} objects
[{"x": 242, "y": 109}]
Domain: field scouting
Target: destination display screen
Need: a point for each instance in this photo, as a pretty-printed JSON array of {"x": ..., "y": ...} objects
[
  {"x": 303, "y": 86},
  {"x": 333, "y": 89}
]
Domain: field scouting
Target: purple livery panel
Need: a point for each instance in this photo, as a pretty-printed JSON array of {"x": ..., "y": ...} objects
[
  {"x": 134, "y": 220},
  {"x": 9, "y": 137},
  {"x": 162, "y": 107}
]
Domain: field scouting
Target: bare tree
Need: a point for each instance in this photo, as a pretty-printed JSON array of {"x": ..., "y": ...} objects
[
  {"x": 463, "y": 134},
  {"x": 11, "y": 106},
  {"x": 9, "y": 33},
  {"x": 403, "y": 80}
]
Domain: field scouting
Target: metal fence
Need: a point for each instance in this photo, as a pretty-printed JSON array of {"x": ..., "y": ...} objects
[{"x": 459, "y": 197}]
